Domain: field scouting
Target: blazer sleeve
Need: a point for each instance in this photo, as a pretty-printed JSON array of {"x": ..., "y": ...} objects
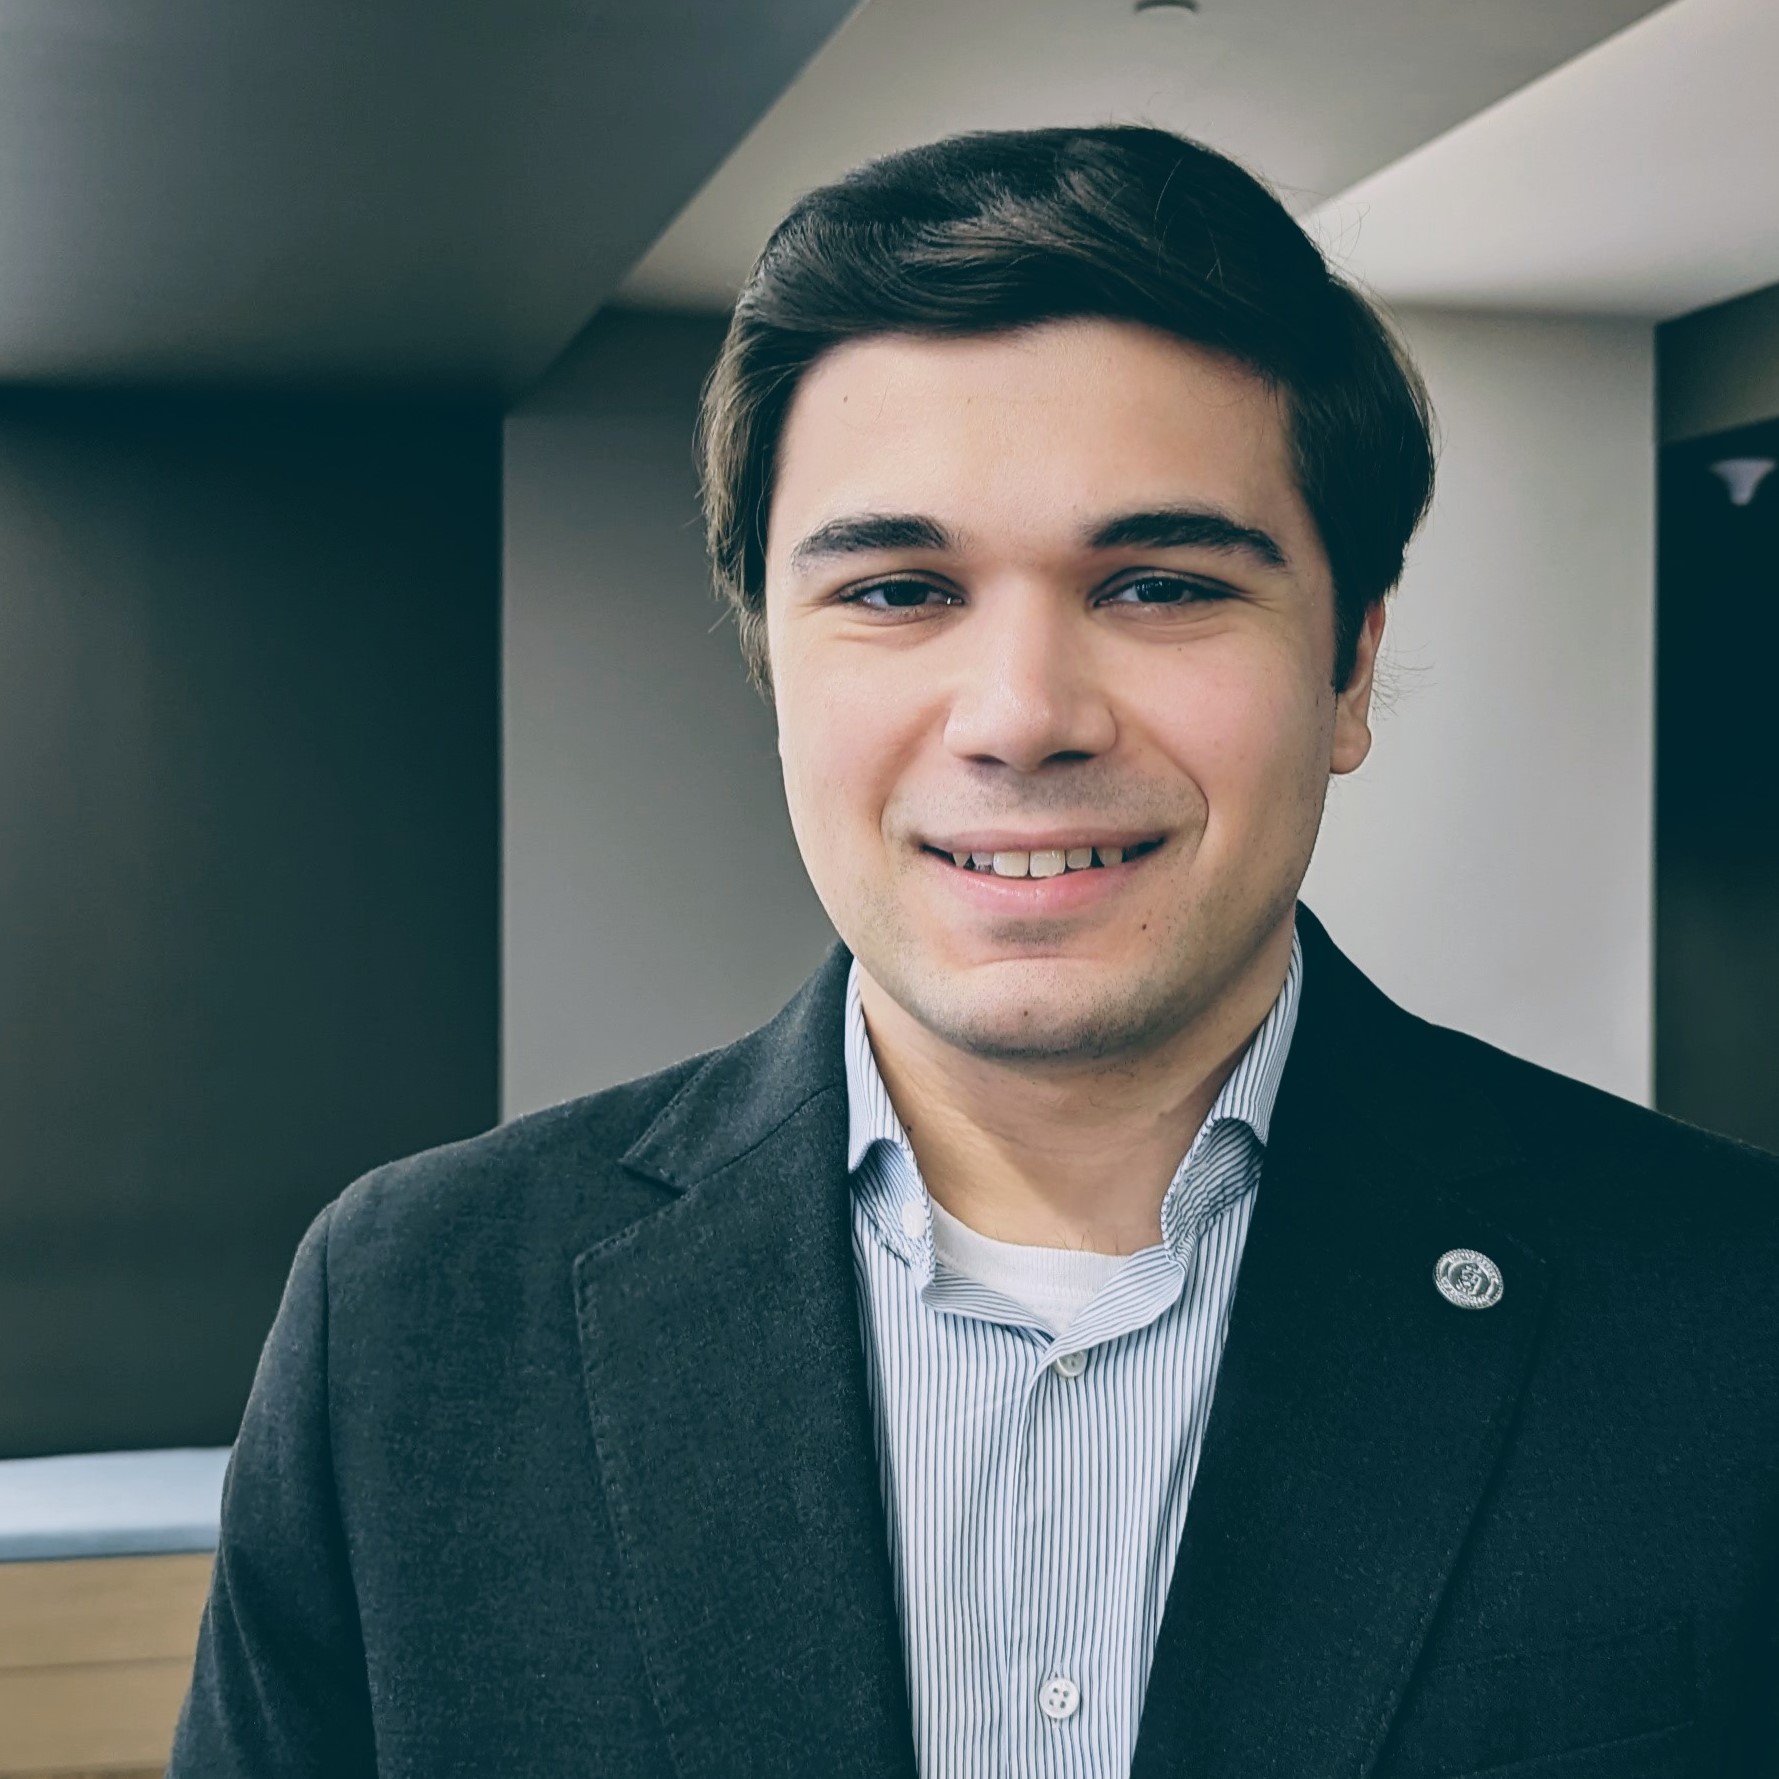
[{"x": 279, "y": 1685}]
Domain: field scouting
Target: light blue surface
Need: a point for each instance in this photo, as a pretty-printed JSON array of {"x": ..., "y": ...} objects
[{"x": 111, "y": 1504}]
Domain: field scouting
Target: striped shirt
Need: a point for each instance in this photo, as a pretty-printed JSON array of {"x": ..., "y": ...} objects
[{"x": 1036, "y": 1461}]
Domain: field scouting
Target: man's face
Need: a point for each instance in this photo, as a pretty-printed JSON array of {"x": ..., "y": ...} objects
[{"x": 1029, "y": 592}]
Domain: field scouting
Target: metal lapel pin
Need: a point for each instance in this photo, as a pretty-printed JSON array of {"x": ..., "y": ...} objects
[{"x": 1470, "y": 1280}]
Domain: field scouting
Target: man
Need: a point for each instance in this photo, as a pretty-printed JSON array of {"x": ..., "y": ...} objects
[{"x": 1090, "y": 1329}]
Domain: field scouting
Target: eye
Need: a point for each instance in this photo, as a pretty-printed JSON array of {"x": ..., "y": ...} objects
[
  {"x": 1167, "y": 589},
  {"x": 899, "y": 596}
]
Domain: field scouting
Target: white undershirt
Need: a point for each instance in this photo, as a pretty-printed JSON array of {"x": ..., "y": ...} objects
[{"x": 1055, "y": 1284}]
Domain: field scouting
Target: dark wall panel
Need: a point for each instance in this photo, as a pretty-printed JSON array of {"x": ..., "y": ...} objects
[
  {"x": 249, "y": 835},
  {"x": 1717, "y": 784}
]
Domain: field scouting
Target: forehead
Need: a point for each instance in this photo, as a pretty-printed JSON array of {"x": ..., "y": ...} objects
[{"x": 1029, "y": 430}]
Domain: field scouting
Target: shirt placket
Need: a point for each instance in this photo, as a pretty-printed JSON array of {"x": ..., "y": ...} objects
[{"x": 1060, "y": 1695}]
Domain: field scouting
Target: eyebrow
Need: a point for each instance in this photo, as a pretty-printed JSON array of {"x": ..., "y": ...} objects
[
  {"x": 1187, "y": 528},
  {"x": 864, "y": 534},
  {"x": 1181, "y": 527}
]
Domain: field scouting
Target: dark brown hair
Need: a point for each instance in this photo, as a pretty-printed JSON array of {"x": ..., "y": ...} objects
[{"x": 1005, "y": 229}]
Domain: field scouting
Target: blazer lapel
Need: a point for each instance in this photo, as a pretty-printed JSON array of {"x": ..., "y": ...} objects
[
  {"x": 725, "y": 1378},
  {"x": 1358, "y": 1416}
]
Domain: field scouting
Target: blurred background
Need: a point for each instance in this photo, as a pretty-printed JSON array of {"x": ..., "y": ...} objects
[{"x": 375, "y": 763}]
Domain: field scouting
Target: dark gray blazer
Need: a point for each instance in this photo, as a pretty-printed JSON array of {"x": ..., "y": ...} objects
[{"x": 559, "y": 1460}]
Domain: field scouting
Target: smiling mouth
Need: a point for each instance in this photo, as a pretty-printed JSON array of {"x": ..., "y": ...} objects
[{"x": 1044, "y": 864}]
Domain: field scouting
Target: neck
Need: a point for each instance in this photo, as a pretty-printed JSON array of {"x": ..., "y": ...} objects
[{"x": 1065, "y": 1157}]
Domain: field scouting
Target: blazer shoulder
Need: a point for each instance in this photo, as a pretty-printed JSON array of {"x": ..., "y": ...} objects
[
  {"x": 550, "y": 1175},
  {"x": 1621, "y": 1156}
]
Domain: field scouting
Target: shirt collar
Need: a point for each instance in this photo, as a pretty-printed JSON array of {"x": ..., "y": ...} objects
[{"x": 1246, "y": 1098}]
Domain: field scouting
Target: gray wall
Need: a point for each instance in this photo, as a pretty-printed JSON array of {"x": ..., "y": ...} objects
[
  {"x": 654, "y": 903},
  {"x": 1490, "y": 863},
  {"x": 248, "y": 870}
]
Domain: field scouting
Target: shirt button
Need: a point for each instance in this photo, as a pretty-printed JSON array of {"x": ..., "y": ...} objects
[
  {"x": 1059, "y": 1698},
  {"x": 914, "y": 1220},
  {"x": 1071, "y": 1364}
]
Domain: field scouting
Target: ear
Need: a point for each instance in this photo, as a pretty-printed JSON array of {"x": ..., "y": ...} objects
[{"x": 1352, "y": 705}]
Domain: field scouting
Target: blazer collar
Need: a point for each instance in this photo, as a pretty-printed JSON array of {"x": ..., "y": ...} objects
[
  {"x": 747, "y": 1091},
  {"x": 1356, "y": 1419}
]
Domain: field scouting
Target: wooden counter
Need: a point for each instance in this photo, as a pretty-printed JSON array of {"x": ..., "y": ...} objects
[{"x": 95, "y": 1657}]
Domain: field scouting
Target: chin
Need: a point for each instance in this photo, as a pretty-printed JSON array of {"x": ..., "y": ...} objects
[{"x": 1011, "y": 1026}]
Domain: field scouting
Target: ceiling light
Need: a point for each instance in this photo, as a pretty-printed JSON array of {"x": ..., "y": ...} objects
[{"x": 1742, "y": 476}]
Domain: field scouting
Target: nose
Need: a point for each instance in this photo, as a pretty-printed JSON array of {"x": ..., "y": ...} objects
[{"x": 1029, "y": 686}]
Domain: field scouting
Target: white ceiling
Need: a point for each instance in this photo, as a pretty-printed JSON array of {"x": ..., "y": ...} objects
[
  {"x": 1640, "y": 179},
  {"x": 395, "y": 192},
  {"x": 1314, "y": 94},
  {"x": 353, "y": 192}
]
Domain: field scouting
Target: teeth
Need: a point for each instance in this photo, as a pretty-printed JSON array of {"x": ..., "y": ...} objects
[{"x": 1049, "y": 862}]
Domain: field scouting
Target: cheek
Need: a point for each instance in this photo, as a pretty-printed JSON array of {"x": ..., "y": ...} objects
[
  {"x": 1240, "y": 727},
  {"x": 833, "y": 751}
]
